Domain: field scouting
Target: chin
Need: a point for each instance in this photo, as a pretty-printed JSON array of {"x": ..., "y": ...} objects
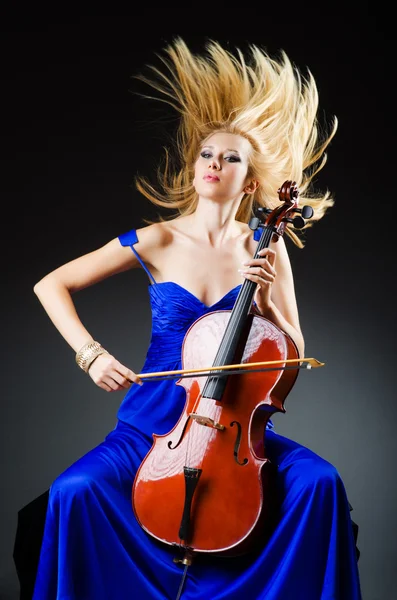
[{"x": 210, "y": 191}]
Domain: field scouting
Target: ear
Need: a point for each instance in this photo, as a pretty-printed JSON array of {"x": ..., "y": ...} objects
[{"x": 251, "y": 187}]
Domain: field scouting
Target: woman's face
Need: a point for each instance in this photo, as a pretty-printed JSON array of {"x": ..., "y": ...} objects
[{"x": 220, "y": 171}]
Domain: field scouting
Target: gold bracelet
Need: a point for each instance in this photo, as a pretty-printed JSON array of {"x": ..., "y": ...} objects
[{"x": 88, "y": 353}]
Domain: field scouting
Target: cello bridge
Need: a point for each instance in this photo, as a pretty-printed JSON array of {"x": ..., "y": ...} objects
[{"x": 206, "y": 421}]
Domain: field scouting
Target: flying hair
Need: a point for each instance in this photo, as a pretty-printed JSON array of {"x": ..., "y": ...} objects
[{"x": 266, "y": 100}]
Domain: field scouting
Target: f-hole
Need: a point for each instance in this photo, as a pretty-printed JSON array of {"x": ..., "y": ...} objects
[{"x": 237, "y": 444}]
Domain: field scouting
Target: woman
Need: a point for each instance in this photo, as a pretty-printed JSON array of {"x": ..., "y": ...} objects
[{"x": 246, "y": 126}]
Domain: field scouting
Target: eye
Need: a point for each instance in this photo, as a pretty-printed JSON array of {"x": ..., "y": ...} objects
[
  {"x": 205, "y": 154},
  {"x": 233, "y": 158}
]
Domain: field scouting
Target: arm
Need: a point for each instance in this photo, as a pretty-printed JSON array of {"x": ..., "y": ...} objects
[
  {"x": 283, "y": 309},
  {"x": 55, "y": 291},
  {"x": 276, "y": 300}
]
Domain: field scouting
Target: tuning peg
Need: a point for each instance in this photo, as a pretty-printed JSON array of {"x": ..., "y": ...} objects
[
  {"x": 306, "y": 211},
  {"x": 263, "y": 209},
  {"x": 254, "y": 223},
  {"x": 298, "y": 221}
]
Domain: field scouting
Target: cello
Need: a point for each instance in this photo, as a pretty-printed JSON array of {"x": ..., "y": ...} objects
[{"x": 213, "y": 462}]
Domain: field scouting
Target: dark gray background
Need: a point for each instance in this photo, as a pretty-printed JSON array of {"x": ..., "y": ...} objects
[{"x": 73, "y": 139}]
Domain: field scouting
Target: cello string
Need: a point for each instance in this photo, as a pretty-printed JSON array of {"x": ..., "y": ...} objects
[
  {"x": 244, "y": 295},
  {"x": 222, "y": 353},
  {"x": 223, "y": 350}
]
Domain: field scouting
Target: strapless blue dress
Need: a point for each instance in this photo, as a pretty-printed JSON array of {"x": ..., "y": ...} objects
[{"x": 94, "y": 549}]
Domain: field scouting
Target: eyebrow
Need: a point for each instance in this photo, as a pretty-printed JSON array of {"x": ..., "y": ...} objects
[{"x": 227, "y": 149}]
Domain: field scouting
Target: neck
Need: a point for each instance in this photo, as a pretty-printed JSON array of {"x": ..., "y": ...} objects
[{"x": 214, "y": 222}]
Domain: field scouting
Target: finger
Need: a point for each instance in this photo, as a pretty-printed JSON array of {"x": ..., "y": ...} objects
[
  {"x": 128, "y": 375},
  {"x": 132, "y": 377},
  {"x": 270, "y": 254},
  {"x": 121, "y": 379},
  {"x": 256, "y": 279},
  {"x": 104, "y": 386},
  {"x": 99, "y": 381},
  {"x": 259, "y": 272},
  {"x": 266, "y": 263},
  {"x": 111, "y": 383}
]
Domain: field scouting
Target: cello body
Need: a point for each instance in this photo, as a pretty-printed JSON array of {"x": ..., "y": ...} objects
[{"x": 205, "y": 484}]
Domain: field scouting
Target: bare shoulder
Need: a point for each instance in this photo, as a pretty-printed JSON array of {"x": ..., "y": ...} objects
[
  {"x": 164, "y": 232},
  {"x": 154, "y": 236},
  {"x": 156, "y": 240},
  {"x": 107, "y": 260}
]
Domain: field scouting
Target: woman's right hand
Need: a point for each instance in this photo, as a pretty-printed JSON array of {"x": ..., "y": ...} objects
[{"x": 110, "y": 375}]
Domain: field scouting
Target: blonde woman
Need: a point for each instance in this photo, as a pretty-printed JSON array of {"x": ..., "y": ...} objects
[{"x": 247, "y": 124}]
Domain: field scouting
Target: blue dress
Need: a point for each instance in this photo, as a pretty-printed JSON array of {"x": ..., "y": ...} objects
[{"x": 94, "y": 549}]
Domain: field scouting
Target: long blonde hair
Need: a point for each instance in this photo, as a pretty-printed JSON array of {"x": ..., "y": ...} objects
[{"x": 263, "y": 99}]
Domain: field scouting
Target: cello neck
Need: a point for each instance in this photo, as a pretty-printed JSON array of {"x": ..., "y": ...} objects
[{"x": 236, "y": 332}]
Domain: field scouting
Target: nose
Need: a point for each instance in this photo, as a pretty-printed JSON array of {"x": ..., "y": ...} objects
[{"x": 213, "y": 165}]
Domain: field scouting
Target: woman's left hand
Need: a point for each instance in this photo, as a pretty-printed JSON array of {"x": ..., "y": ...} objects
[{"x": 261, "y": 271}]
